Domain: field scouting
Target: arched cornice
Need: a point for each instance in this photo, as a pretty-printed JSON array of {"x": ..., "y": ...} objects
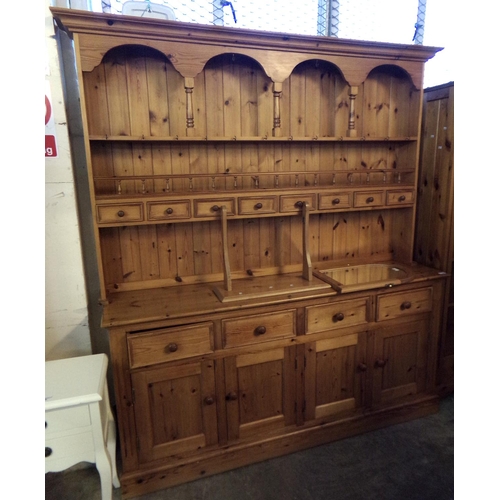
[{"x": 189, "y": 46}]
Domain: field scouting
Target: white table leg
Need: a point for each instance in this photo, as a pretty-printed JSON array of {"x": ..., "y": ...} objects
[{"x": 103, "y": 464}]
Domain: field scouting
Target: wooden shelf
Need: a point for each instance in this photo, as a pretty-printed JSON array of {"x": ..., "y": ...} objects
[{"x": 150, "y": 138}]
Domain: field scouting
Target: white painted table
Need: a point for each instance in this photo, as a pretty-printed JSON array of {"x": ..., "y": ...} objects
[{"x": 79, "y": 424}]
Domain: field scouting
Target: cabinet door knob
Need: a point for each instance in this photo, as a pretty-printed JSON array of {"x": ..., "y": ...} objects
[
  {"x": 232, "y": 396},
  {"x": 406, "y": 305},
  {"x": 169, "y": 211},
  {"x": 335, "y": 201},
  {"x": 369, "y": 199},
  {"x": 172, "y": 347},
  {"x": 402, "y": 198},
  {"x": 338, "y": 317},
  {"x": 48, "y": 451},
  {"x": 380, "y": 363},
  {"x": 260, "y": 330},
  {"x": 362, "y": 367},
  {"x": 209, "y": 400},
  {"x": 258, "y": 206},
  {"x": 120, "y": 213}
]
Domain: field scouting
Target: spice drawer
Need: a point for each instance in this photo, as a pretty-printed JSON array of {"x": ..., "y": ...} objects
[
  {"x": 212, "y": 208},
  {"x": 171, "y": 210},
  {"x": 258, "y": 205},
  {"x": 170, "y": 344},
  {"x": 334, "y": 200},
  {"x": 258, "y": 328},
  {"x": 368, "y": 199},
  {"x": 337, "y": 315},
  {"x": 396, "y": 305},
  {"x": 399, "y": 197},
  {"x": 294, "y": 203},
  {"x": 130, "y": 212}
]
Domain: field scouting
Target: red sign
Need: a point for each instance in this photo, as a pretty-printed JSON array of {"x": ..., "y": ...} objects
[{"x": 50, "y": 127}]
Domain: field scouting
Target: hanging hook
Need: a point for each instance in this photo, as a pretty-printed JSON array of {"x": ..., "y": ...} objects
[{"x": 225, "y": 3}]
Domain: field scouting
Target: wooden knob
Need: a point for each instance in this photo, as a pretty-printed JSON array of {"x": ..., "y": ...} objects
[
  {"x": 260, "y": 330},
  {"x": 48, "y": 451},
  {"x": 362, "y": 367},
  {"x": 215, "y": 208},
  {"x": 369, "y": 199},
  {"x": 169, "y": 211},
  {"x": 121, "y": 213},
  {"x": 335, "y": 201},
  {"x": 402, "y": 198},
  {"x": 406, "y": 305},
  {"x": 338, "y": 317},
  {"x": 172, "y": 347},
  {"x": 299, "y": 204},
  {"x": 380, "y": 363},
  {"x": 258, "y": 206},
  {"x": 232, "y": 396},
  {"x": 209, "y": 400}
]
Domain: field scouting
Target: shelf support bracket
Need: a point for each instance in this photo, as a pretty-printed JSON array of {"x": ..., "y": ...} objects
[
  {"x": 225, "y": 250},
  {"x": 188, "y": 87},
  {"x": 351, "y": 131},
  {"x": 306, "y": 256},
  {"x": 277, "y": 92}
]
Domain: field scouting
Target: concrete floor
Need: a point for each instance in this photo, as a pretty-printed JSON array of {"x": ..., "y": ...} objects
[{"x": 410, "y": 461}]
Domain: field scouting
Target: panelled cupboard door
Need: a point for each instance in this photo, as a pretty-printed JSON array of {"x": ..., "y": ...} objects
[
  {"x": 335, "y": 371},
  {"x": 399, "y": 361},
  {"x": 175, "y": 409},
  {"x": 260, "y": 392}
]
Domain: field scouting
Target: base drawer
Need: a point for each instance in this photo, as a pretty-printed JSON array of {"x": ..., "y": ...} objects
[
  {"x": 170, "y": 344},
  {"x": 65, "y": 419},
  {"x": 396, "y": 305},
  {"x": 259, "y": 328},
  {"x": 337, "y": 315}
]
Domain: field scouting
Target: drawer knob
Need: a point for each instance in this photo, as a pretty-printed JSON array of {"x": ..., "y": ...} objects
[
  {"x": 209, "y": 400},
  {"x": 121, "y": 213},
  {"x": 335, "y": 201},
  {"x": 406, "y": 305},
  {"x": 338, "y": 317},
  {"x": 260, "y": 330},
  {"x": 232, "y": 396},
  {"x": 169, "y": 211},
  {"x": 48, "y": 451},
  {"x": 172, "y": 347},
  {"x": 299, "y": 204},
  {"x": 215, "y": 208},
  {"x": 370, "y": 199},
  {"x": 380, "y": 363},
  {"x": 402, "y": 198},
  {"x": 362, "y": 367},
  {"x": 258, "y": 206}
]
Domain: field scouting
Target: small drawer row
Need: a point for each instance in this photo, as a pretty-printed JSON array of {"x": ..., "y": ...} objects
[
  {"x": 181, "y": 209},
  {"x": 180, "y": 342}
]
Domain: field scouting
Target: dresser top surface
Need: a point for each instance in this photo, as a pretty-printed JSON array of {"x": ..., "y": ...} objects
[{"x": 74, "y": 381}]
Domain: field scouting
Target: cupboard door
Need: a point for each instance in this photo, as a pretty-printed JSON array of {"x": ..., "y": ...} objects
[
  {"x": 260, "y": 392},
  {"x": 175, "y": 409},
  {"x": 334, "y": 375},
  {"x": 399, "y": 361}
]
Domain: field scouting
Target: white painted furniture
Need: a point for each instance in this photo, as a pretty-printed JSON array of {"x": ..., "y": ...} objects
[{"x": 79, "y": 424}]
